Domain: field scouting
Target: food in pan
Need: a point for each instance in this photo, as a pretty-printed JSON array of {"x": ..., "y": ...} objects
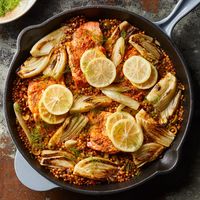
[{"x": 97, "y": 100}]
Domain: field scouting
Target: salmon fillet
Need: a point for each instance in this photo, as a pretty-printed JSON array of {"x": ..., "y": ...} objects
[
  {"x": 130, "y": 52},
  {"x": 87, "y": 36},
  {"x": 98, "y": 138},
  {"x": 35, "y": 89}
]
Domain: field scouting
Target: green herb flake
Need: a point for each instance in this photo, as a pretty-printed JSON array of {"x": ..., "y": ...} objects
[
  {"x": 104, "y": 39},
  {"x": 67, "y": 70},
  {"x": 68, "y": 158},
  {"x": 123, "y": 34},
  {"x": 17, "y": 108},
  {"x": 7, "y": 5},
  {"x": 75, "y": 151},
  {"x": 36, "y": 138},
  {"x": 129, "y": 166}
]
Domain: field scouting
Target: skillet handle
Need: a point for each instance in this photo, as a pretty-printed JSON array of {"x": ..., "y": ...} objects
[
  {"x": 182, "y": 8},
  {"x": 29, "y": 177}
]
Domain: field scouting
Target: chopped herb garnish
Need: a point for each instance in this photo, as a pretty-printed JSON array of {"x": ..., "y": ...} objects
[
  {"x": 129, "y": 166},
  {"x": 104, "y": 39},
  {"x": 67, "y": 70},
  {"x": 18, "y": 108},
  {"x": 75, "y": 151},
  {"x": 97, "y": 110},
  {"x": 46, "y": 126},
  {"x": 68, "y": 158},
  {"x": 36, "y": 138},
  {"x": 123, "y": 34}
]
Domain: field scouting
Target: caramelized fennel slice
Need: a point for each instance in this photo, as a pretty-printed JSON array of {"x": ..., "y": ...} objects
[
  {"x": 163, "y": 92},
  {"x": 124, "y": 27},
  {"x": 33, "y": 138},
  {"x": 70, "y": 143},
  {"x": 171, "y": 108},
  {"x": 33, "y": 66},
  {"x": 57, "y": 159},
  {"x": 120, "y": 107},
  {"x": 123, "y": 99},
  {"x": 46, "y": 153},
  {"x": 95, "y": 168},
  {"x": 117, "y": 88},
  {"x": 147, "y": 153},
  {"x": 57, "y": 64},
  {"x": 21, "y": 121},
  {"x": 87, "y": 103},
  {"x": 153, "y": 129},
  {"x": 70, "y": 129},
  {"x": 59, "y": 162},
  {"x": 46, "y": 44},
  {"x": 118, "y": 51},
  {"x": 146, "y": 46}
]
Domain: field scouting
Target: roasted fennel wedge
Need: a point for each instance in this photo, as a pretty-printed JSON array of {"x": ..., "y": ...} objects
[
  {"x": 121, "y": 98},
  {"x": 96, "y": 168},
  {"x": 163, "y": 92},
  {"x": 118, "y": 51},
  {"x": 147, "y": 153},
  {"x": 33, "y": 135},
  {"x": 87, "y": 103},
  {"x": 47, "y": 43},
  {"x": 123, "y": 30},
  {"x": 57, "y": 159},
  {"x": 70, "y": 129},
  {"x": 57, "y": 63},
  {"x": 147, "y": 47},
  {"x": 153, "y": 130},
  {"x": 117, "y": 88},
  {"x": 171, "y": 108},
  {"x": 33, "y": 66},
  {"x": 21, "y": 121}
]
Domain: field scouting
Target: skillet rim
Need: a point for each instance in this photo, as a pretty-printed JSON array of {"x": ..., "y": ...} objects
[{"x": 72, "y": 187}]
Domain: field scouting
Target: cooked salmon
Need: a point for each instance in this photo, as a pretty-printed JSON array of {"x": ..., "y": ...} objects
[
  {"x": 98, "y": 138},
  {"x": 131, "y": 51},
  {"x": 35, "y": 88},
  {"x": 87, "y": 36}
]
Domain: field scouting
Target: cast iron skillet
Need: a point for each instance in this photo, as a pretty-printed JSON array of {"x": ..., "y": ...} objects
[{"x": 32, "y": 34}]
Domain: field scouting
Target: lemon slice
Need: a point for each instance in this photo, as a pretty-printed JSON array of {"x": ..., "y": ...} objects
[
  {"x": 100, "y": 72},
  {"x": 88, "y": 56},
  {"x": 57, "y": 99},
  {"x": 150, "y": 82},
  {"x": 115, "y": 117},
  {"x": 137, "y": 69},
  {"x": 127, "y": 135},
  {"x": 48, "y": 117}
]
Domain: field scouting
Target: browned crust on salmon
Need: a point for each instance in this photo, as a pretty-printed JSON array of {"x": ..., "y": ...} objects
[{"x": 98, "y": 138}]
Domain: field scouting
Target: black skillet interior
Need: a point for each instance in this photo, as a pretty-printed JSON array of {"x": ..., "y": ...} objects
[{"x": 33, "y": 33}]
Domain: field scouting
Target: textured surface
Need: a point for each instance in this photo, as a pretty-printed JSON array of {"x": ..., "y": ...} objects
[{"x": 184, "y": 181}]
